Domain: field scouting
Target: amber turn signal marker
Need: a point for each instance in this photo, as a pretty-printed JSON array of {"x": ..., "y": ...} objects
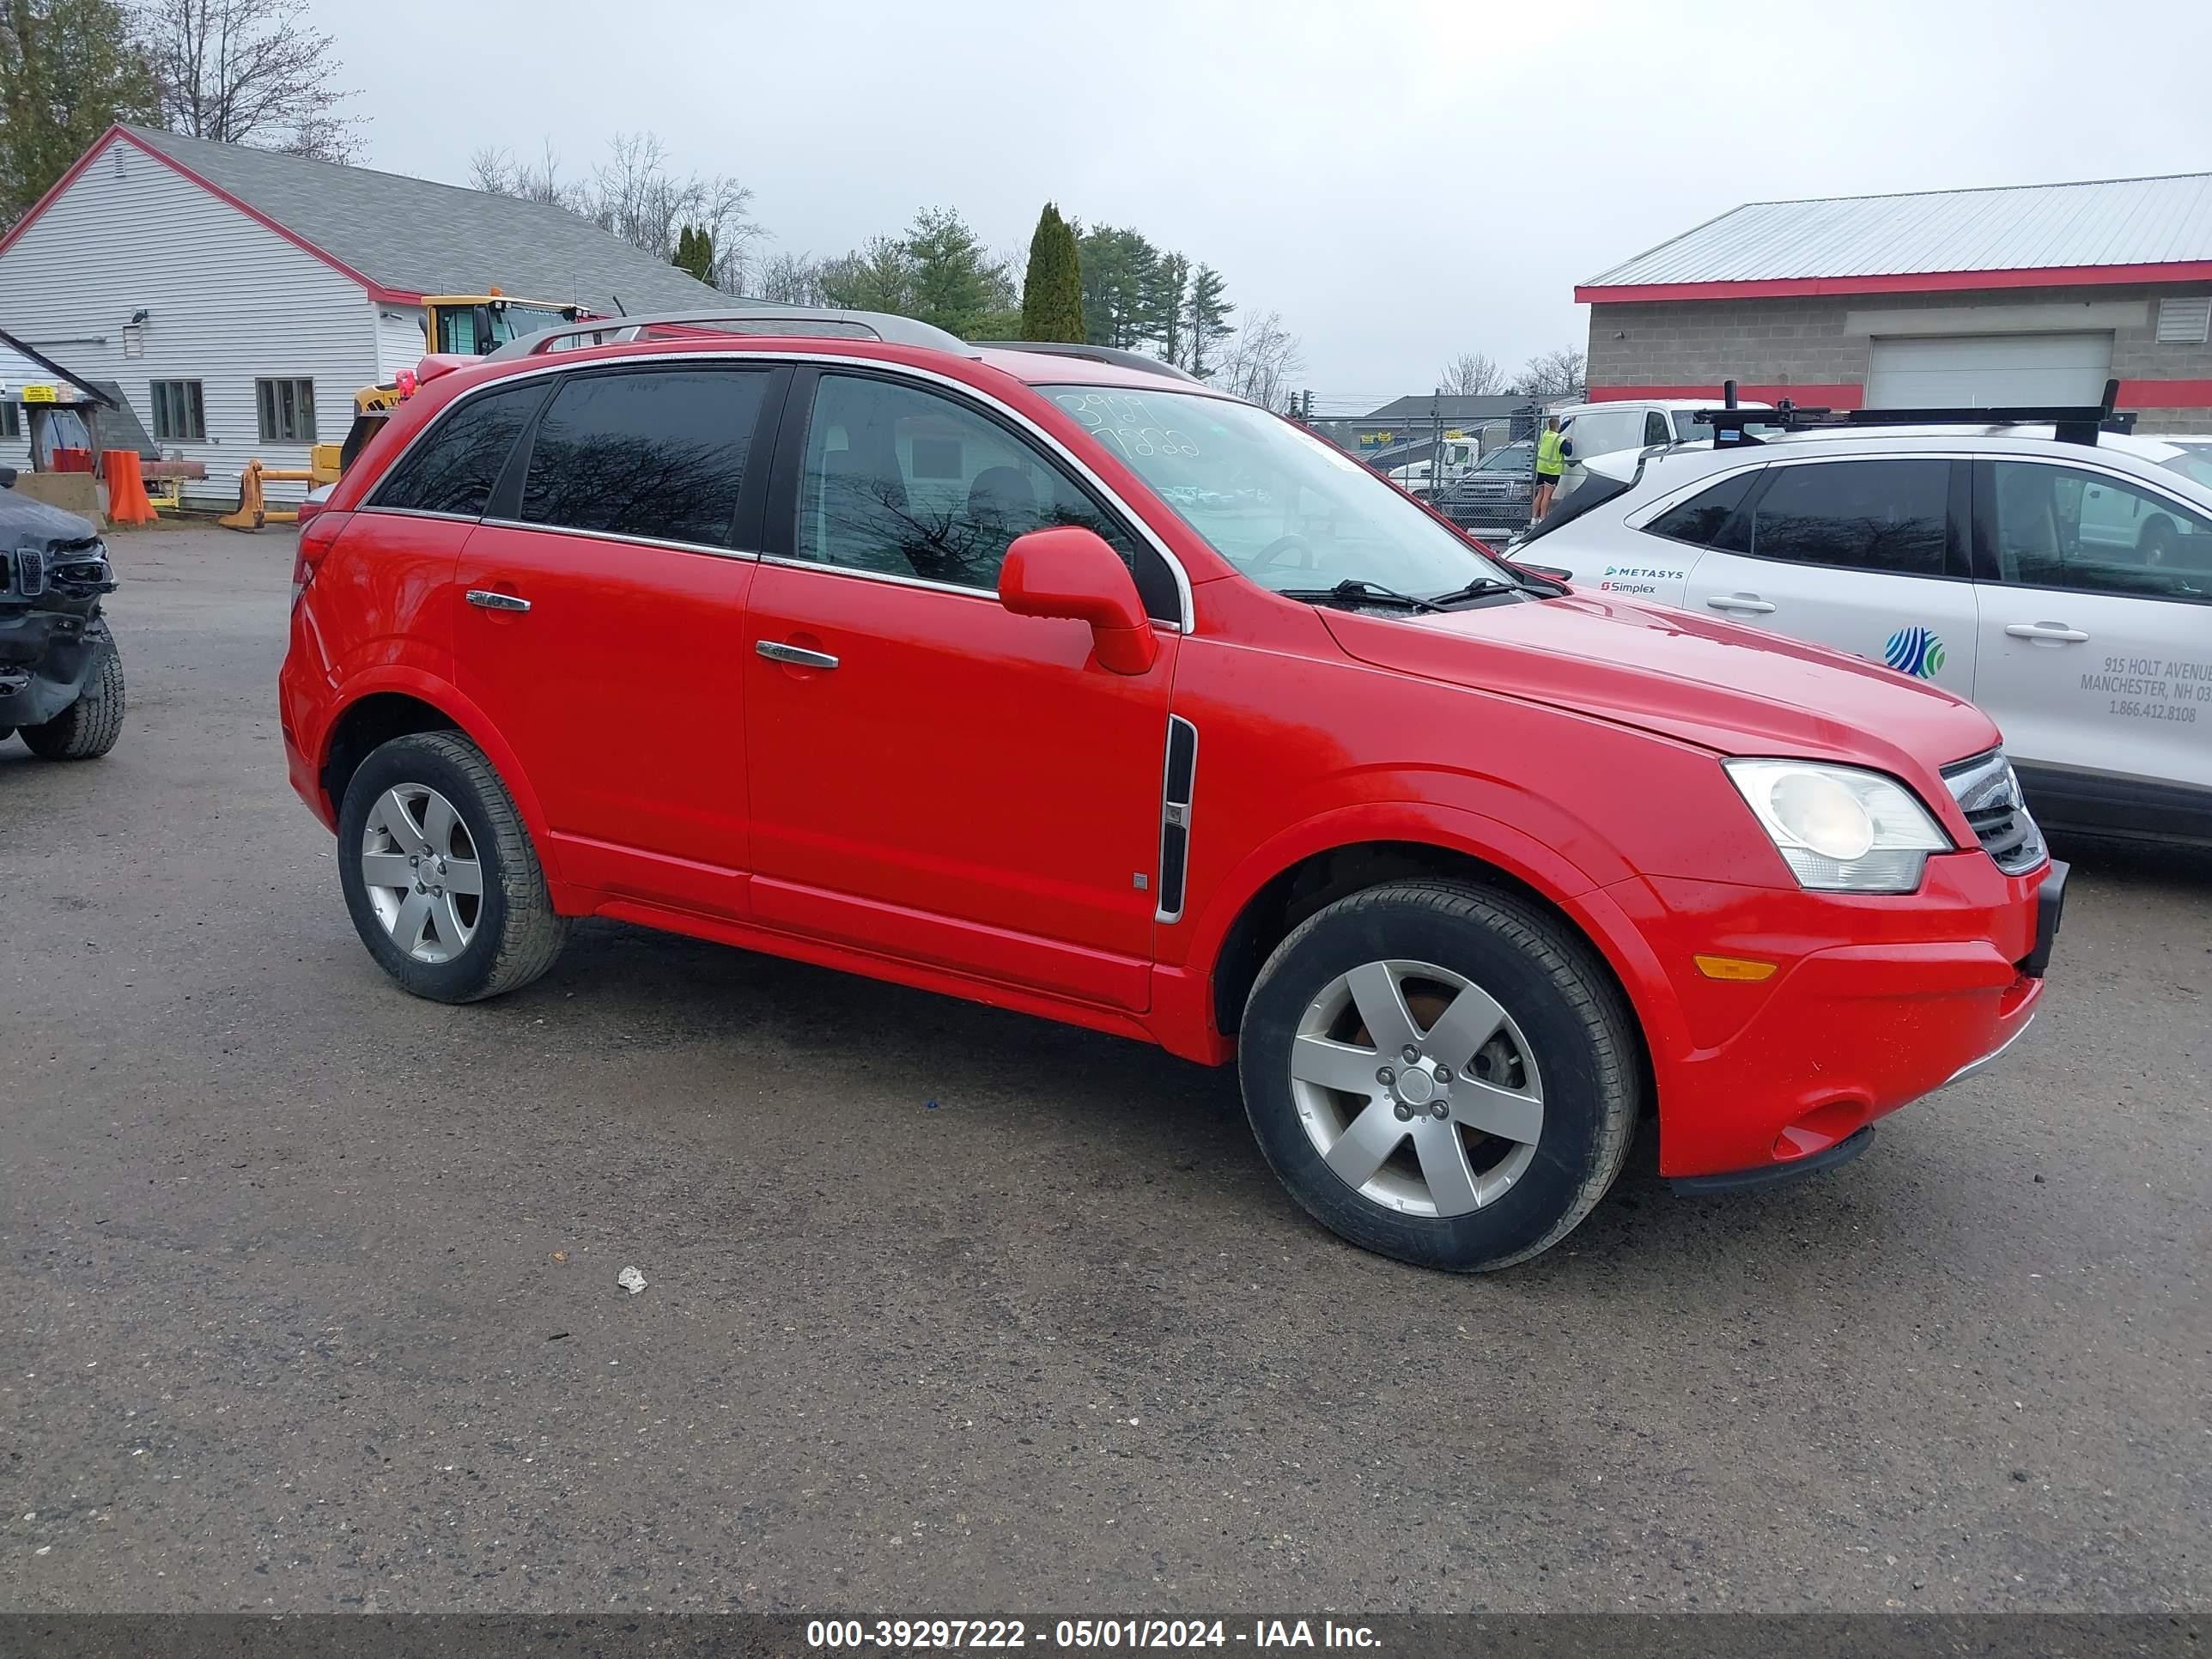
[{"x": 1743, "y": 968}]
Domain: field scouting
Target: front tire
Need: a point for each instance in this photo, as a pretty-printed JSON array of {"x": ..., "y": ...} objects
[
  {"x": 91, "y": 725},
  {"x": 439, "y": 872},
  {"x": 1440, "y": 1072}
]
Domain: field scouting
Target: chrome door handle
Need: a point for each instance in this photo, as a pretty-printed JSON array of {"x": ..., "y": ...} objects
[
  {"x": 1740, "y": 602},
  {"x": 486, "y": 599},
  {"x": 798, "y": 656},
  {"x": 2058, "y": 633}
]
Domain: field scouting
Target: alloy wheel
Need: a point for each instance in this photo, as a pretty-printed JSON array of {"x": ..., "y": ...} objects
[
  {"x": 425, "y": 881},
  {"x": 1417, "y": 1088}
]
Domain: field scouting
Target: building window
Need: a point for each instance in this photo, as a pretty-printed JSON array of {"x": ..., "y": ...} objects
[
  {"x": 178, "y": 412},
  {"x": 11, "y": 421},
  {"x": 288, "y": 410}
]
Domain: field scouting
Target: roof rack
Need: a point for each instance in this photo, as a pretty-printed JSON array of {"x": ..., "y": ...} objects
[
  {"x": 2074, "y": 424},
  {"x": 1094, "y": 354},
  {"x": 748, "y": 317}
]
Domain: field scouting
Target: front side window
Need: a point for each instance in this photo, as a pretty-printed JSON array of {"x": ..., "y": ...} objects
[
  {"x": 658, "y": 454},
  {"x": 2089, "y": 532},
  {"x": 1881, "y": 515},
  {"x": 905, "y": 483},
  {"x": 1655, "y": 429},
  {"x": 453, "y": 465},
  {"x": 288, "y": 410},
  {"x": 1290, "y": 510},
  {"x": 178, "y": 413}
]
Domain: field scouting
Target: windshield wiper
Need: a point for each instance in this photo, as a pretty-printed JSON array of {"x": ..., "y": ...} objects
[
  {"x": 1477, "y": 587},
  {"x": 1355, "y": 587}
]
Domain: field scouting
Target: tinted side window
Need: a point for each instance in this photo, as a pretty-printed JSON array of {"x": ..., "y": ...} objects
[
  {"x": 652, "y": 453},
  {"x": 1700, "y": 520},
  {"x": 902, "y": 482},
  {"x": 452, "y": 466},
  {"x": 1655, "y": 429},
  {"x": 1861, "y": 515},
  {"x": 2060, "y": 526}
]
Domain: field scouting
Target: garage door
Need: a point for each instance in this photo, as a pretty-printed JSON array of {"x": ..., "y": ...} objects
[{"x": 1984, "y": 371}]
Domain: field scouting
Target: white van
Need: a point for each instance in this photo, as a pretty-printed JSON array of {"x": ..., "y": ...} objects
[{"x": 1630, "y": 423}]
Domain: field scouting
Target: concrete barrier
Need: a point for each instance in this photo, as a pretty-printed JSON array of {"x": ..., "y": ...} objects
[{"x": 73, "y": 492}]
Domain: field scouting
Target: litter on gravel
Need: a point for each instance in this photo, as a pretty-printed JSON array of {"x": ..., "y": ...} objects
[{"x": 630, "y": 1279}]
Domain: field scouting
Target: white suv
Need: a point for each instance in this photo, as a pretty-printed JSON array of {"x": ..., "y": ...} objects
[
  {"x": 1589, "y": 431},
  {"x": 2064, "y": 586}
]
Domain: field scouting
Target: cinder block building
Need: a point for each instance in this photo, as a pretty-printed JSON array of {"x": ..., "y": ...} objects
[{"x": 2028, "y": 294}]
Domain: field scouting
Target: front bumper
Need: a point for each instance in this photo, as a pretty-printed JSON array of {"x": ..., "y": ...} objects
[{"x": 1875, "y": 1003}]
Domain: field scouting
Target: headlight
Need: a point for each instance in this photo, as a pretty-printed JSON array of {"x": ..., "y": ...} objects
[{"x": 1838, "y": 828}]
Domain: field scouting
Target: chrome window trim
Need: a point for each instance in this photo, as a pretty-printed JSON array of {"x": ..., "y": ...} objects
[
  {"x": 662, "y": 543},
  {"x": 1131, "y": 521},
  {"x": 423, "y": 513}
]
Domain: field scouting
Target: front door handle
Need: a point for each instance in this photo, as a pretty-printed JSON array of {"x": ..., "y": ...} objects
[
  {"x": 1750, "y": 602},
  {"x": 483, "y": 598},
  {"x": 797, "y": 655},
  {"x": 2056, "y": 633}
]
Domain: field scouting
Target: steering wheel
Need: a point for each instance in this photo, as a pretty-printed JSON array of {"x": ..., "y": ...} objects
[{"x": 1277, "y": 552}]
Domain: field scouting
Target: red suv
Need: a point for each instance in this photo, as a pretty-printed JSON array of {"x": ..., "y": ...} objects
[{"x": 1057, "y": 680}]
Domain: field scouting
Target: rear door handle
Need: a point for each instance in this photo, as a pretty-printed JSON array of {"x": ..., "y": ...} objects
[
  {"x": 798, "y": 656},
  {"x": 484, "y": 599},
  {"x": 1750, "y": 602},
  {"x": 2057, "y": 633}
]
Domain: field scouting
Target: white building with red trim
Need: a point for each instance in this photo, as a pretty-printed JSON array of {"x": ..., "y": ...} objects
[
  {"x": 1977, "y": 298},
  {"x": 239, "y": 297}
]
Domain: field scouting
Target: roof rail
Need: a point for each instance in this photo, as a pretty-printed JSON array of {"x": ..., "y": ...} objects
[
  {"x": 2074, "y": 424},
  {"x": 1094, "y": 354},
  {"x": 740, "y": 317}
]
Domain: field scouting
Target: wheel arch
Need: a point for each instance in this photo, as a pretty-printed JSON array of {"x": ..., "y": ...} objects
[
  {"x": 1284, "y": 885},
  {"x": 395, "y": 705}
]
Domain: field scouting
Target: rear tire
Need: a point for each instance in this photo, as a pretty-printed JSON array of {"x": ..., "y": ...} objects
[
  {"x": 2156, "y": 542},
  {"x": 433, "y": 798},
  {"x": 1468, "y": 1161},
  {"x": 88, "y": 727}
]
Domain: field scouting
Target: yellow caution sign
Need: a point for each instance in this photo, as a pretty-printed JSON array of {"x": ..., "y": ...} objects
[{"x": 41, "y": 394}]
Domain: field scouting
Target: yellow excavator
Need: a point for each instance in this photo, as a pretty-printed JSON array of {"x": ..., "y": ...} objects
[{"x": 464, "y": 324}]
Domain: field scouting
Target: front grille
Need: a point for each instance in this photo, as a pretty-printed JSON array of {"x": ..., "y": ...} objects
[{"x": 1989, "y": 794}]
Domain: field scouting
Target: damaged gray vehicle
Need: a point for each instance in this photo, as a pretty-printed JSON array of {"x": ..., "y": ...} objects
[{"x": 61, "y": 680}]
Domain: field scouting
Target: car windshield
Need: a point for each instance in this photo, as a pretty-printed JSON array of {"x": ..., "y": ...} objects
[
  {"x": 2194, "y": 462},
  {"x": 1289, "y": 510}
]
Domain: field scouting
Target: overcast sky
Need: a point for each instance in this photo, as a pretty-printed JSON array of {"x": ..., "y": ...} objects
[{"x": 1402, "y": 181}]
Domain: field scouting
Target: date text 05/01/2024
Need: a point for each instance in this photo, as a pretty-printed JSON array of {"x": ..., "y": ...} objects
[{"x": 903, "y": 1635}]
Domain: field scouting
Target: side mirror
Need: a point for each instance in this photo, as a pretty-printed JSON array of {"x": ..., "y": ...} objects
[{"x": 1071, "y": 572}]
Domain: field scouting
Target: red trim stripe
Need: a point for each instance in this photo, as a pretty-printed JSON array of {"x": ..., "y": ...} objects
[
  {"x": 1922, "y": 281},
  {"x": 1841, "y": 394},
  {"x": 375, "y": 290},
  {"x": 2166, "y": 394}
]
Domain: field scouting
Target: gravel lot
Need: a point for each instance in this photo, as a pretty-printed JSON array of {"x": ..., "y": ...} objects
[{"x": 309, "y": 1289}]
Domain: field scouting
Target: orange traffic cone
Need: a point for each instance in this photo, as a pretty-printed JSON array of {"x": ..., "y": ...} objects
[{"x": 126, "y": 488}]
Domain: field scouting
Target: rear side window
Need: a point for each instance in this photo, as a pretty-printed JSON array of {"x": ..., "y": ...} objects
[
  {"x": 1702, "y": 519},
  {"x": 658, "y": 454},
  {"x": 1890, "y": 516},
  {"x": 452, "y": 466}
]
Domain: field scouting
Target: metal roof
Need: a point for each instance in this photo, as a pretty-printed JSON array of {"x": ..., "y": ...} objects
[
  {"x": 415, "y": 236},
  {"x": 22, "y": 365},
  {"x": 1416, "y": 406},
  {"x": 2114, "y": 222}
]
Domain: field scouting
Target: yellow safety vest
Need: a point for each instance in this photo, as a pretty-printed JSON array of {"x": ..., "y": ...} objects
[{"x": 1549, "y": 462}]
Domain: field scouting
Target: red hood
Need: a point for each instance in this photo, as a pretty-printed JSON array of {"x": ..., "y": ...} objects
[{"x": 1730, "y": 688}]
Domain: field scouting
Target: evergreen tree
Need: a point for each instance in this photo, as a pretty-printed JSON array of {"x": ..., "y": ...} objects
[
  {"x": 1208, "y": 310},
  {"x": 1052, "y": 291},
  {"x": 957, "y": 285},
  {"x": 1118, "y": 266},
  {"x": 1162, "y": 304},
  {"x": 69, "y": 70},
  {"x": 695, "y": 252}
]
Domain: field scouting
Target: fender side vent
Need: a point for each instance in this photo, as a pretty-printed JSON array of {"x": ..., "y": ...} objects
[{"x": 1178, "y": 784}]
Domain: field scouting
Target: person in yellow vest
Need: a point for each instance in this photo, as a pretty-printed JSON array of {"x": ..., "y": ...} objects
[{"x": 1550, "y": 462}]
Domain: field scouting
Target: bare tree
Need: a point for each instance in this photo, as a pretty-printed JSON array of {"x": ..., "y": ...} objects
[
  {"x": 250, "y": 72},
  {"x": 497, "y": 170},
  {"x": 635, "y": 195},
  {"x": 637, "y": 198},
  {"x": 1471, "y": 374},
  {"x": 1259, "y": 362},
  {"x": 790, "y": 279},
  {"x": 1553, "y": 373}
]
